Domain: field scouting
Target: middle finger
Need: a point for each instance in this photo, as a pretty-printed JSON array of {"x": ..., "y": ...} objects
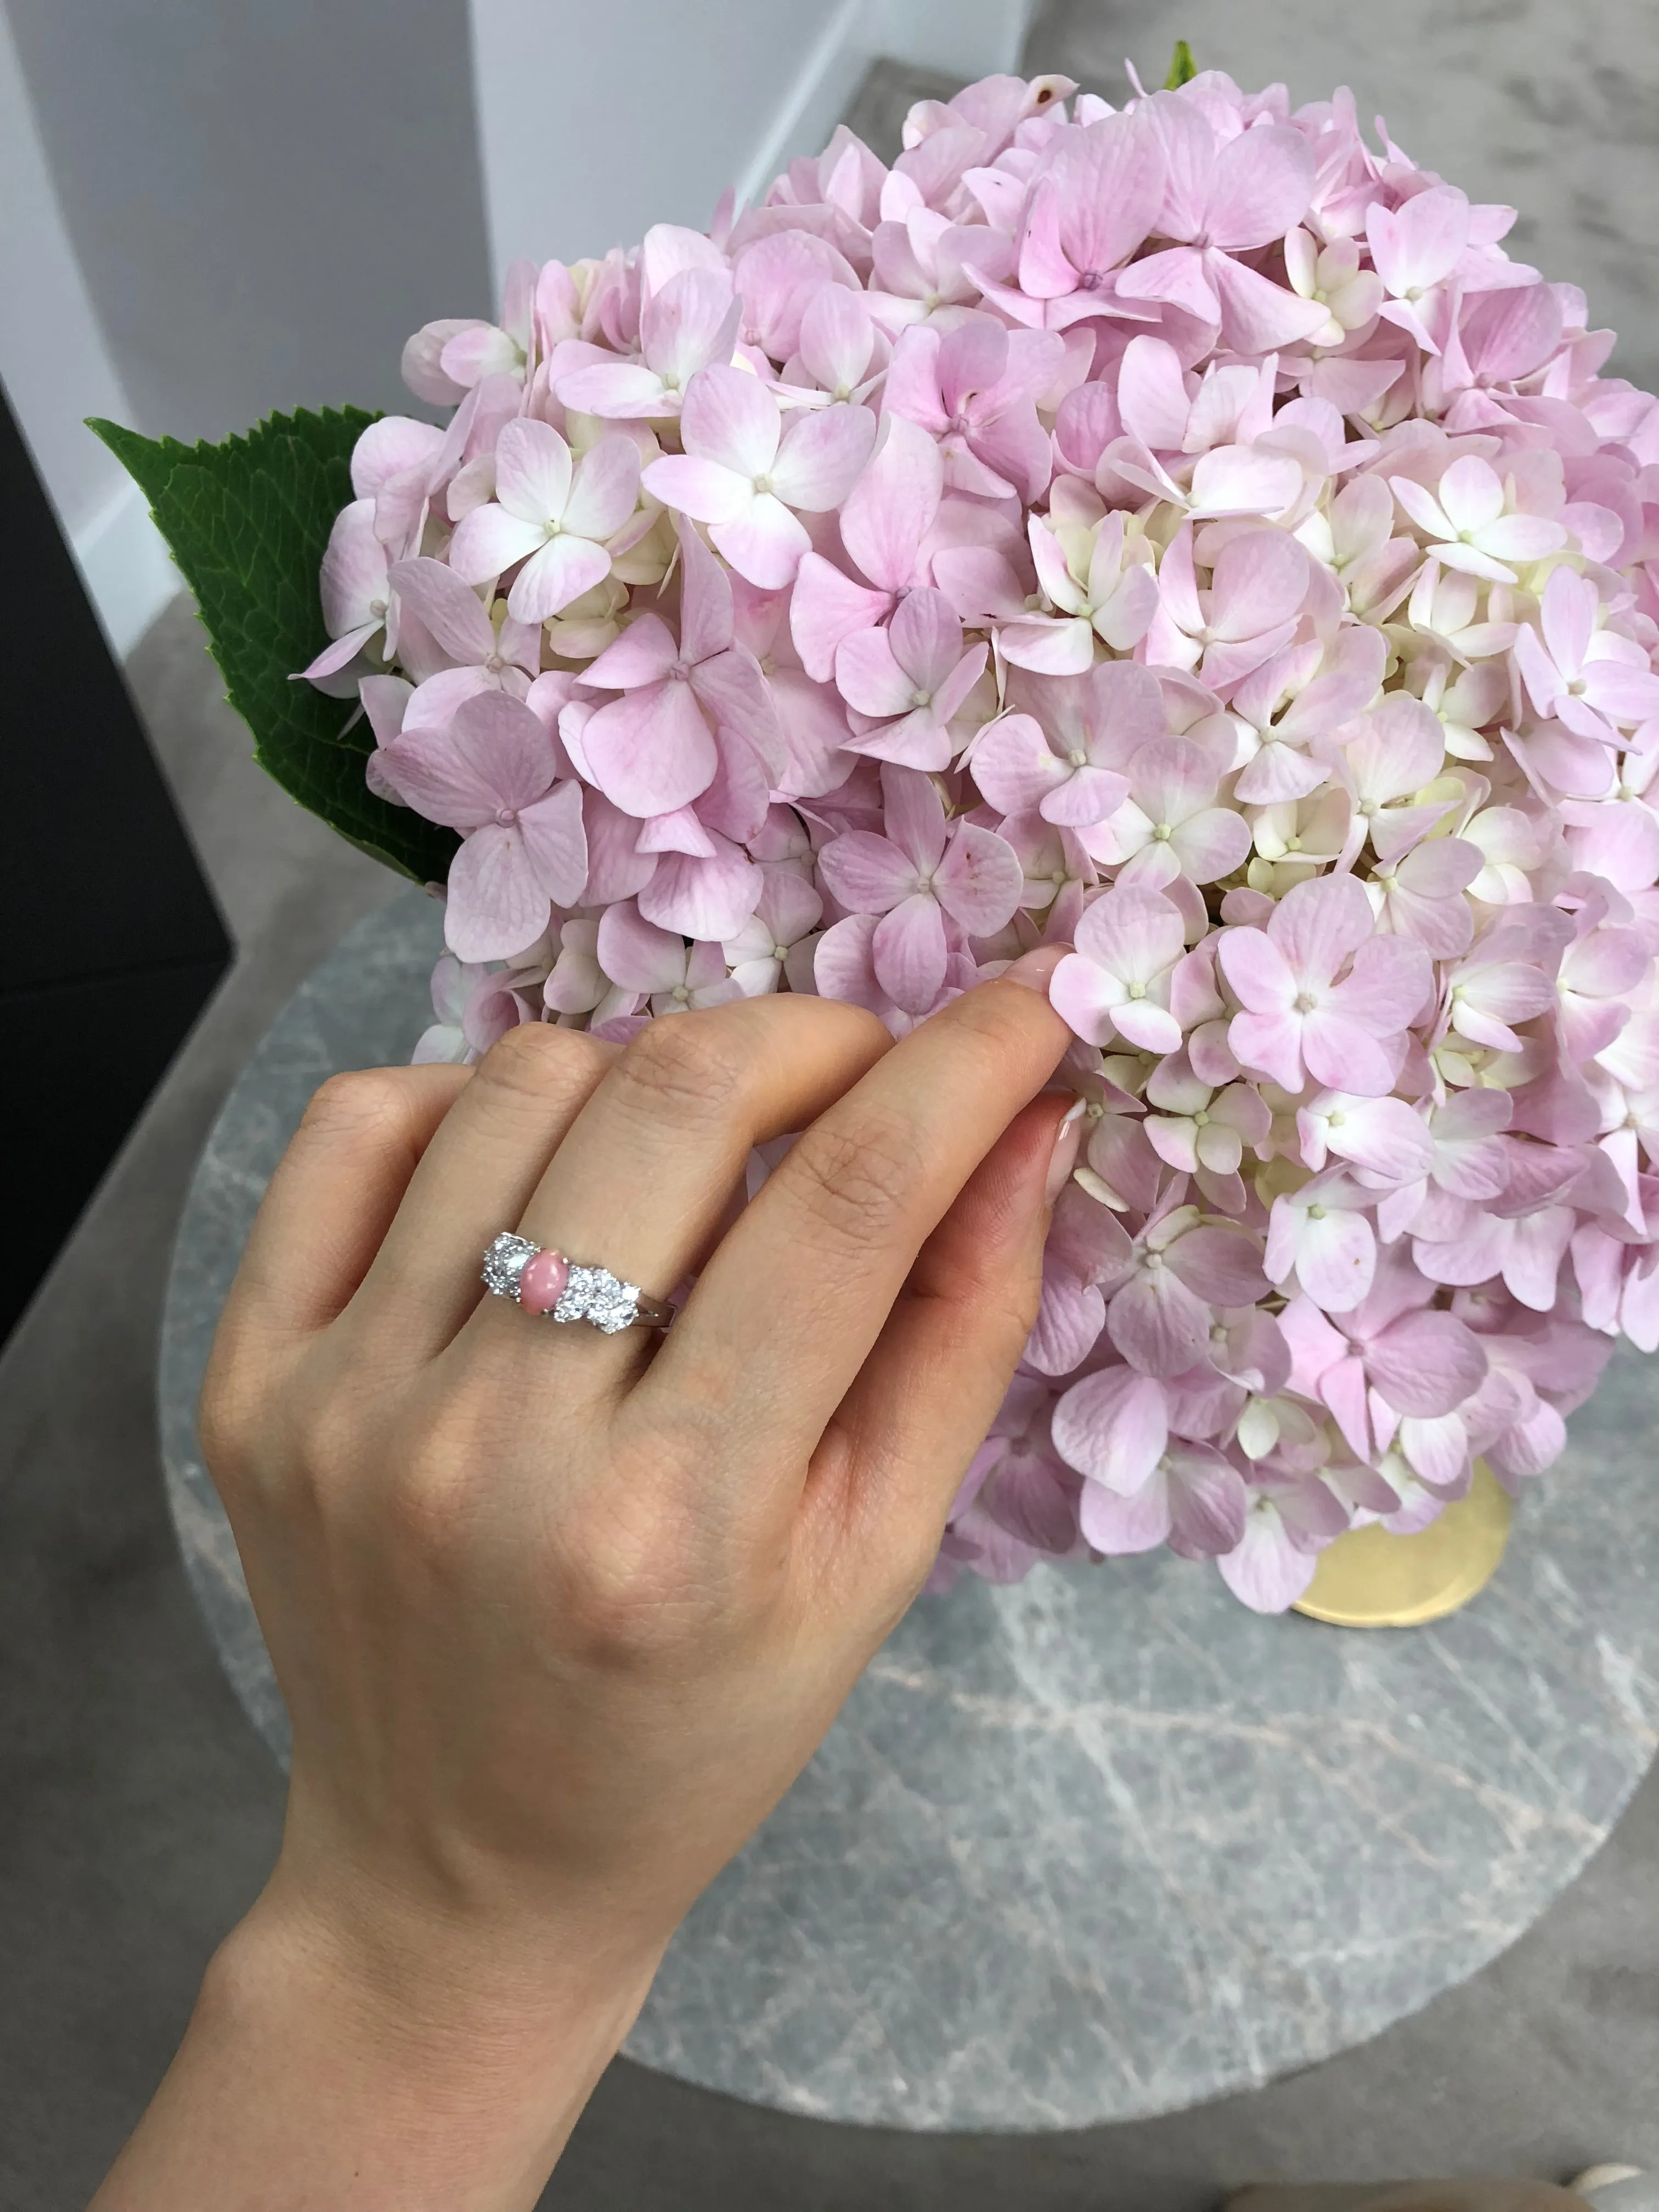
[{"x": 642, "y": 1180}]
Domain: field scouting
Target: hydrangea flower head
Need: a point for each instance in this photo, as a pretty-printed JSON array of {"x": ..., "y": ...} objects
[{"x": 1182, "y": 534}]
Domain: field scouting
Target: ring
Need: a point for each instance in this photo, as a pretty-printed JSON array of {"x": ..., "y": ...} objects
[{"x": 545, "y": 1282}]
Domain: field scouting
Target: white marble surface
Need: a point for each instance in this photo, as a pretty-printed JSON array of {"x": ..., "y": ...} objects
[{"x": 1104, "y": 1845}]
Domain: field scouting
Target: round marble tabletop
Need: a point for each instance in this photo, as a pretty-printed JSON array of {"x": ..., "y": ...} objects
[{"x": 1102, "y": 1845}]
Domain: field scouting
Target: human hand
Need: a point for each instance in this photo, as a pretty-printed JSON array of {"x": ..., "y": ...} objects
[{"x": 558, "y": 1616}]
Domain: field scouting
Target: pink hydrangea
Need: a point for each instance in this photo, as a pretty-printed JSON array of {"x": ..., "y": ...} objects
[{"x": 1182, "y": 534}]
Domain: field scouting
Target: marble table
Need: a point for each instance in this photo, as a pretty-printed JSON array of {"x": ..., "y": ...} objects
[{"x": 1104, "y": 1845}]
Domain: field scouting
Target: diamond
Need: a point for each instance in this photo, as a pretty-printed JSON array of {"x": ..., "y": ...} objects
[
  {"x": 618, "y": 1307},
  {"x": 596, "y": 1295},
  {"x": 504, "y": 1263}
]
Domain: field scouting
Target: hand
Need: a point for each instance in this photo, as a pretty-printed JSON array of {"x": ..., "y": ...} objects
[{"x": 559, "y": 1616}]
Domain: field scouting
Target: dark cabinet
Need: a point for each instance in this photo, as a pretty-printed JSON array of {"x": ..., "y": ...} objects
[{"x": 111, "y": 941}]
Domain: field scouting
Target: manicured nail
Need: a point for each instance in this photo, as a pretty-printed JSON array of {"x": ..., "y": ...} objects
[
  {"x": 1067, "y": 1140},
  {"x": 1034, "y": 969}
]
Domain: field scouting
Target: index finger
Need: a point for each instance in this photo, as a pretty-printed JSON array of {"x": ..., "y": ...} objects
[{"x": 787, "y": 1310}]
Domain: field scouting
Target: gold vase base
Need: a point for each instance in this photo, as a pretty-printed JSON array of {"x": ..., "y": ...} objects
[{"x": 1370, "y": 1579}]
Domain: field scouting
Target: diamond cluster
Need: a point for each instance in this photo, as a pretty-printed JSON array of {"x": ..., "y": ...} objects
[
  {"x": 595, "y": 1295},
  {"x": 505, "y": 1262}
]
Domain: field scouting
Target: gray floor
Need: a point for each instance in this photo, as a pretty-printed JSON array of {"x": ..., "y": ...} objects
[{"x": 139, "y": 1813}]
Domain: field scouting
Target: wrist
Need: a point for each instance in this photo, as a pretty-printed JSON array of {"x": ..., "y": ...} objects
[
  {"x": 428, "y": 1984},
  {"x": 350, "y": 2047}
]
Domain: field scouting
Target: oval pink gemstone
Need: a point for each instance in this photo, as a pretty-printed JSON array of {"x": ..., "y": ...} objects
[{"x": 543, "y": 1282}]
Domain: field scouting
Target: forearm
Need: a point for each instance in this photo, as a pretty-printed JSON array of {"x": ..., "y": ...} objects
[{"x": 310, "y": 2081}]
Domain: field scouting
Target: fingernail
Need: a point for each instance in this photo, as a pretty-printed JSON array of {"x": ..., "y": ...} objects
[
  {"x": 1067, "y": 1140},
  {"x": 1034, "y": 969}
]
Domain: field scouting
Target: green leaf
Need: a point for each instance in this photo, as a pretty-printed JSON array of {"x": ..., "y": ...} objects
[
  {"x": 1182, "y": 68},
  {"x": 248, "y": 522}
]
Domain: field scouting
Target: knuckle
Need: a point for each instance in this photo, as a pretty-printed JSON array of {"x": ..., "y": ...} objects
[
  {"x": 230, "y": 1418},
  {"x": 269, "y": 1423},
  {"x": 446, "y": 1472},
  {"x": 539, "y": 1061},
  {"x": 628, "y": 1602},
  {"x": 364, "y": 1106},
  {"x": 321, "y": 1434},
  {"x": 658, "y": 1563},
  {"x": 683, "y": 1066},
  {"x": 430, "y": 1515},
  {"x": 855, "y": 1182}
]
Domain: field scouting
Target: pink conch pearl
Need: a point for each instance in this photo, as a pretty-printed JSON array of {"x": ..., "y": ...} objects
[{"x": 542, "y": 1282}]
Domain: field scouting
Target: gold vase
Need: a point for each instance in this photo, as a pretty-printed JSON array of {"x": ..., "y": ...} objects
[{"x": 1370, "y": 1579}]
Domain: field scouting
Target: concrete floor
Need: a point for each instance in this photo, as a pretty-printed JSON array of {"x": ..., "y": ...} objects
[{"x": 139, "y": 1813}]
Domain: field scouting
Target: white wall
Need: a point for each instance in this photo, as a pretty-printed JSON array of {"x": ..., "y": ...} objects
[
  {"x": 266, "y": 199},
  {"x": 242, "y": 208},
  {"x": 595, "y": 123},
  {"x": 56, "y": 370},
  {"x": 183, "y": 253}
]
